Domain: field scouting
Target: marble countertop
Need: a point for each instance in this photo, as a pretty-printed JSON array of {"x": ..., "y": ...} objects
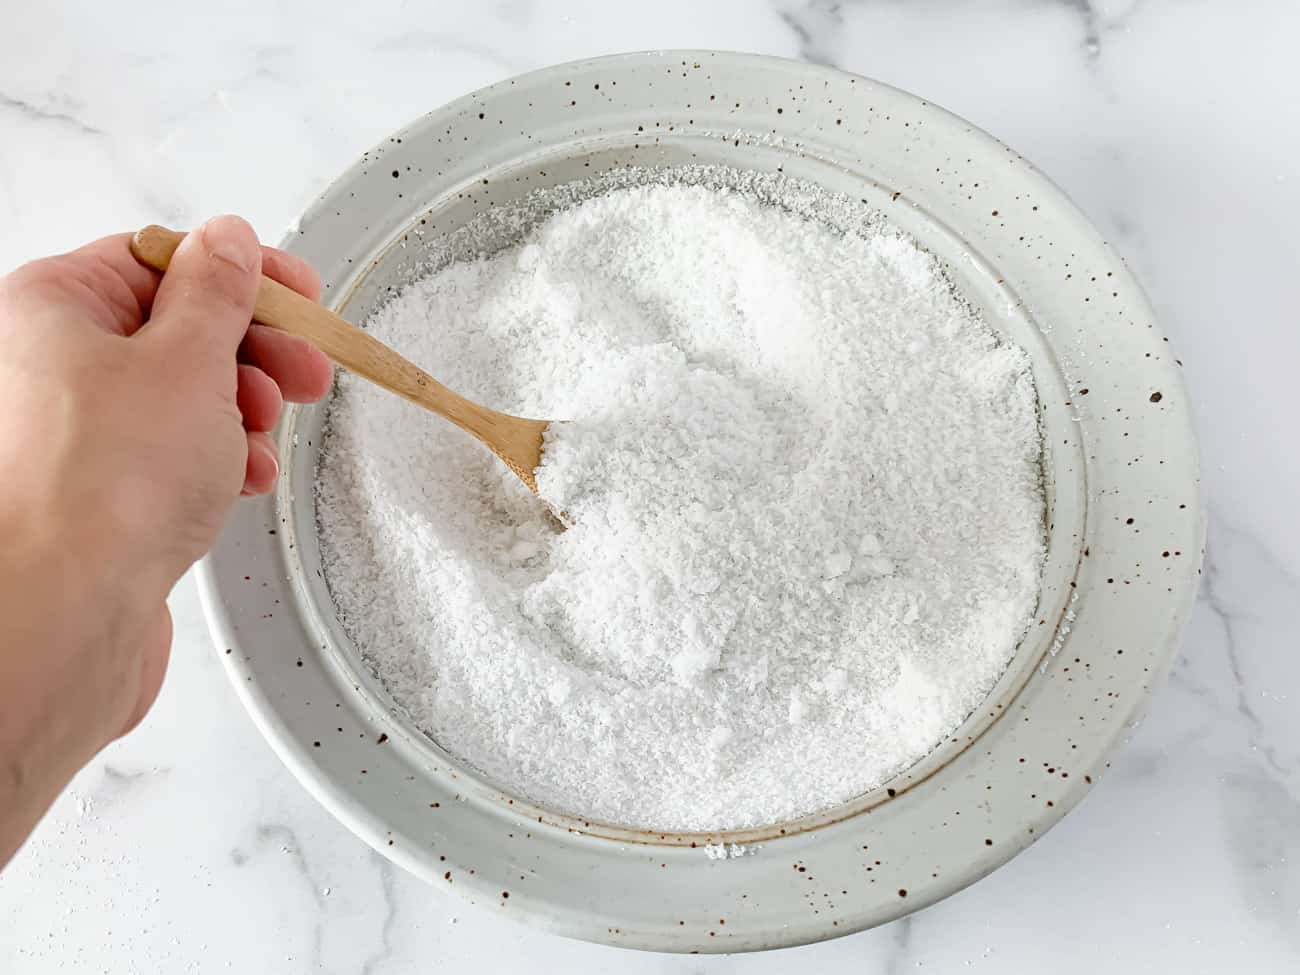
[{"x": 187, "y": 847}]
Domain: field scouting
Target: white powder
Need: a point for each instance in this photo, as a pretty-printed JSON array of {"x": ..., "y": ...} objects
[
  {"x": 724, "y": 851},
  {"x": 803, "y": 477}
]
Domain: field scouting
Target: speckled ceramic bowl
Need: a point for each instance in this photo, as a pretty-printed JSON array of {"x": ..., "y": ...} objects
[{"x": 1125, "y": 532}]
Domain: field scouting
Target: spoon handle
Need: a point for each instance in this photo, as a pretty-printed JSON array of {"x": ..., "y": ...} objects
[{"x": 283, "y": 308}]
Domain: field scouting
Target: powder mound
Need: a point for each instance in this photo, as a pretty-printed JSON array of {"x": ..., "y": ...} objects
[
  {"x": 803, "y": 478},
  {"x": 679, "y": 489}
]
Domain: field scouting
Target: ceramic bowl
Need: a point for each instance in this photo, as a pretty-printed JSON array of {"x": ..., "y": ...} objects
[{"x": 1125, "y": 519}]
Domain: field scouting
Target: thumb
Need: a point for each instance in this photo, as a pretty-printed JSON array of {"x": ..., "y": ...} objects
[{"x": 205, "y": 300}]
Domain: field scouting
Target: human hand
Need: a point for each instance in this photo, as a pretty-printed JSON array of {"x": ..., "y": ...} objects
[{"x": 134, "y": 411}]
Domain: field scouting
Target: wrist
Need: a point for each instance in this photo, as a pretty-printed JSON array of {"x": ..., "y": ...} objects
[{"x": 65, "y": 665}]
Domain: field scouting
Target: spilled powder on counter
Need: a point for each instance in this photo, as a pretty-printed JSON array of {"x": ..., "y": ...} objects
[{"x": 804, "y": 480}]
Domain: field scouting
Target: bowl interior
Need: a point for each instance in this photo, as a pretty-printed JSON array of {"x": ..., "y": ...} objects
[{"x": 423, "y": 242}]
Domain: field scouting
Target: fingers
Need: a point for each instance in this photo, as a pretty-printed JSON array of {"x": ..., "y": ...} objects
[
  {"x": 258, "y": 398},
  {"x": 205, "y": 300},
  {"x": 204, "y": 306},
  {"x": 292, "y": 272},
  {"x": 301, "y": 370},
  {"x": 263, "y": 465}
]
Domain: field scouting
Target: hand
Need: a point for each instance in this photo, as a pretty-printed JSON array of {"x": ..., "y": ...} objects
[{"x": 134, "y": 411}]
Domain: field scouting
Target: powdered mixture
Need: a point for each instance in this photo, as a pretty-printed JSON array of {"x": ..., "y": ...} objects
[{"x": 804, "y": 484}]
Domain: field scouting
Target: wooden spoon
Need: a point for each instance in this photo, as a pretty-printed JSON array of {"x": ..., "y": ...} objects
[{"x": 516, "y": 440}]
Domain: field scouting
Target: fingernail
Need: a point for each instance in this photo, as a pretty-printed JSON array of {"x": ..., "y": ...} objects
[
  {"x": 273, "y": 456},
  {"x": 256, "y": 445},
  {"x": 232, "y": 240}
]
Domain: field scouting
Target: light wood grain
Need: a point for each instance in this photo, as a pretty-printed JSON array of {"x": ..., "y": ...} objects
[{"x": 516, "y": 440}]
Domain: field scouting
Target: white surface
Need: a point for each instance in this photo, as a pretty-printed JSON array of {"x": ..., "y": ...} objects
[{"x": 188, "y": 848}]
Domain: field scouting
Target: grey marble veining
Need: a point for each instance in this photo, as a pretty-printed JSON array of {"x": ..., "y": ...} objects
[{"x": 188, "y": 848}]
